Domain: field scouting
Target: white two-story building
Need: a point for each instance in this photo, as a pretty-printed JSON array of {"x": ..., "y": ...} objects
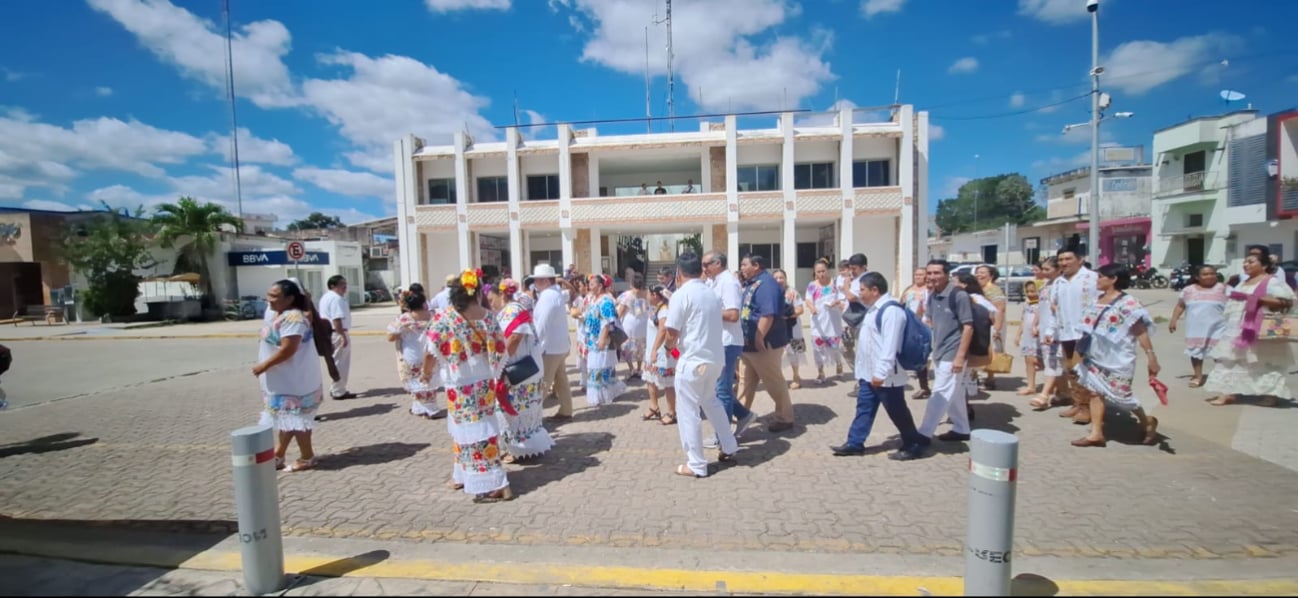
[
  {"x": 792, "y": 192},
  {"x": 1126, "y": 185}
]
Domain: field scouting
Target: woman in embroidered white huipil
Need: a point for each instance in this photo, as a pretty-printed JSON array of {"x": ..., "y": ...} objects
[
  {"x": 408, "y": 332},
  {"x": 602, "y": 383},
  {"x": 580, "y": 302},
  {"x": 467, "y": 350},
  {"x": 795, "y": 353},
  {"x": 1117, "y": 324},
  {"x": 633, "y": 309},
  {"x": 1253, "y": 367},
  {"x": 1204, "y": 307},
  {"x": 660, "y": 373},
  {"x": 1049, "y": 352},
  {"x": 524, "y": 434},
  {"x": 289, "y": 371},
  {"x": 826, "y": 306}
]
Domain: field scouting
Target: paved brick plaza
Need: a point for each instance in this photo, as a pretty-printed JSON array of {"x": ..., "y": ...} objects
[{"x": 159, "y": 452}]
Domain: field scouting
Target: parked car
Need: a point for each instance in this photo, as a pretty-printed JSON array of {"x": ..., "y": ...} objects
[{"x": 1011, "y": 277}]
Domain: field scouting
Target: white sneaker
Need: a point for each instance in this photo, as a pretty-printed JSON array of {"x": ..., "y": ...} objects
[
  {"x": 744, "y": 422},
  {"x": 711, "y": 442}
]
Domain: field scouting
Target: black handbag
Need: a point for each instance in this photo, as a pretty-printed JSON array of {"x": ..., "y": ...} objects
[
  {"x": 616, "y": 337},
  {"x": 520, "y": 371},
  {"x": 1083, "y": 345},
  {"x": 855, "y": 314}
]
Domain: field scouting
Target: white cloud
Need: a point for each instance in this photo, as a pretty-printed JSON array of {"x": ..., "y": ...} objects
[
  {"x": 179, "y": 37},
  {"x": 1055, "y": 12},
  {"x": 253, "y": 182},
  {"x": 986, "y": 38},
  {"x": 1057, "y": 164},
  {"x": 968, "y": 64},
  {"x": 936, "y": 132},
  {"x": 253, "y": 149},
  {"x": 11, "y": 75},
  {"x": 387, "y": 97},
  {"x": 348, "y": 182},
  {"x": 286, "y": 208},
  {"x": 54, "y": 206},
  {"x": 1017, "y": 99},
  {"x": 1138, "y": 66},
  {"x": 451, "y": 5},
  {"x": 951, "y": 186},
  {"x": 103, "y": 91},
  {"x": 717, "y": 54},
  {"x": 870, "y": 8}
]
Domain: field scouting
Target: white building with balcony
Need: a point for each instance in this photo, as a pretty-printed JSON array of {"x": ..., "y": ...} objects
[
  {"x": 1126, "y": 185},
  {"x": 792, "y": 192}
]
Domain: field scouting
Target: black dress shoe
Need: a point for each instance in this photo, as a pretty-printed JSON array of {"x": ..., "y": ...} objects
[
  {"x": 953, "y": 436},
  {"x": 847, "y": 451},
  {"x": 344, "y": 396}
]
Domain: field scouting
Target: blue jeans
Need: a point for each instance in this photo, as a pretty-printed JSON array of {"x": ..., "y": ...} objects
[
  {"x": 726, "y": 384},
  {"x": 893, "y": 398}
]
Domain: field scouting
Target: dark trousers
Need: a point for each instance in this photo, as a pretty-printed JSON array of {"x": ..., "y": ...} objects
[{"x": 893, "y": 399}]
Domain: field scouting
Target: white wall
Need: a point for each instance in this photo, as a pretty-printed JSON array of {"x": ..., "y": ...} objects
[
  {"x": 873, "y": 148},
  {"x": 651, "y": 178},
  {"x": 1279, "y": 232},
  {"x": 553, "y": 243},
  {"x": 760, "y": 154},
  {"x": 533, "y": 165},
  {"x": 815, "y": 151},
  {"x": 485, "y": 167},
  {"x": 442, "y": 258},
  {"x": 876, "y": 237}
]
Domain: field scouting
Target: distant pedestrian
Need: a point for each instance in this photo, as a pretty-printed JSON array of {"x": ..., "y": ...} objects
[
  {"x": 408, "y": 331},
  {"x": 290, "y": 376},
  {"x": 335, "y": 308},
  {"x": 602, "y": 384},
  {"x": 660, "y": 364},
  {"x": 523, "y": 434}
]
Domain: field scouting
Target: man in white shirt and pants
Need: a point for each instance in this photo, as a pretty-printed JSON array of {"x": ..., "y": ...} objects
[
  {"x": 442, "y": 299},
  {"x": 334, "y": 307},
  {"x": 881, "y": 379},
  {"x": 694, "y": 327},
  {"x": 1073, "y": 293},
  {"x": 550, "y": 315}
]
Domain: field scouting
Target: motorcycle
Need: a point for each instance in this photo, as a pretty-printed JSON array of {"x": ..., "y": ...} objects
[
  {"x": 1182, "y": 276},
  {"x": 1148, "y": 277}
]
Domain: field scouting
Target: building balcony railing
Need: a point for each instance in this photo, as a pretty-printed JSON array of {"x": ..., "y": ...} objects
[
  {"x": 1190, "y": 182},
  {"x": 692, "y": 207}
]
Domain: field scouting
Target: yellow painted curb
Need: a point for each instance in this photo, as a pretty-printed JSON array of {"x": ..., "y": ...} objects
[
  {"x": 140, "y": 337},
  {"x": 772, "y": 582}
]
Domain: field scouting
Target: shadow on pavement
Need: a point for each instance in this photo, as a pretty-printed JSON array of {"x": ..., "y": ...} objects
[
  {"x": 382, "y": 392},
  {"x": 757, "y": 454},
  {"x": 372, "y": 454},
  {"x": 336, "y": 568},
  {"x": 368, "y": 410},
  {"x": 46, "y": 444},
  {"x": 1123, "y": 428},
  {"x": 572, "y": 454},
  {"x": 1030, "y": 584}
]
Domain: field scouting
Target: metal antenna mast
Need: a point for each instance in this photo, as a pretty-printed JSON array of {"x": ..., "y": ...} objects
[
  {"x": 648, "y": 110},
  {"x": 234, "y": 121},
  {"x": 671, "y": 73}
]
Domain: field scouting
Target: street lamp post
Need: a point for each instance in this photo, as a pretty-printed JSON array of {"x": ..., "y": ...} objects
[{"x": 1093, "y": 236}]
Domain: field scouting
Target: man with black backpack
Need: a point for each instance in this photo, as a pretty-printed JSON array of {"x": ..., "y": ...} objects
[
  {"x": 889, "y": 335},
  {"x": 951, "y": 312}
]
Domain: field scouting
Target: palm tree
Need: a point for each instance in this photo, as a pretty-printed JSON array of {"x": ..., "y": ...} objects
[{"x": 197, "y": 223}]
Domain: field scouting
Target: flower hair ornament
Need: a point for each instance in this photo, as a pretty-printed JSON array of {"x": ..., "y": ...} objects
[
  {"x": 603, "y": 280},
  {"x": 508, "y": 286},
  {"x": 471, "y": 280}
]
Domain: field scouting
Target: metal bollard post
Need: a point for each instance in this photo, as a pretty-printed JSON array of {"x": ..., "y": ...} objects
[
  {"x": 993, "y": 468},
  {"x": 256, "y": 496}
]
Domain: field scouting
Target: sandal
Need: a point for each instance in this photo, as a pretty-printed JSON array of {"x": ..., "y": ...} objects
[
  {"x": 1087, "y": 442},
  {"x": 796, "y": 385},
  {"x": 651, "y": 414},
  {"x": 502, "y": 495},
  {"x": 1039, "y": 403},
  {"x": 279, "y": 463},
  {"x": 668, "y": 419},
  {"x": 922, "y": 394},
  {"x": 1196, "y": 382},
  {"x": 1151, "y": 432},
  {"x": 1026, "y": 391},
  {"x": 453, "y": 485},
  {"x": 684, "y": 470},
  {"x": 1222, "y": 400},
  {"x": 302, "y": 465}
]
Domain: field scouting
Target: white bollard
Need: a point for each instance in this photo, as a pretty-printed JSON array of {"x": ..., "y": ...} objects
[
  {"x": 993, "y": 469},
  {"x": 256, "y": 496}
]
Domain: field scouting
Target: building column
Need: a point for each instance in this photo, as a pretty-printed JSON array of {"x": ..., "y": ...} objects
[
  {"x": 921, "y": 189},
  {"x": 845, "y": 185},
  {"x": 516, "y": 260},
  {"x": 705, "y": 165},
  {"x": 410, "y": 258},
  {"x": 595, "y": 251},
  {"x": 732, "y": 189},
  {"x": 789, "y": 249},
  {"x": 906, "y": 234},
  {"x": 468, "y": 253},
  {"x": 568, "y": 246}
]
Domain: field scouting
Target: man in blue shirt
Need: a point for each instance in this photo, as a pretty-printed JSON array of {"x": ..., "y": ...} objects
[{"x": 764, "y": 342}]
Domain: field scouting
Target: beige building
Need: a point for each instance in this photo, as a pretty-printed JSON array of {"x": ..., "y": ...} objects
[{"x": 792, "y": 192}]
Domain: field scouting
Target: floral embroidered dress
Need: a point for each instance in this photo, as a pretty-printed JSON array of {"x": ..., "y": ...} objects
[
  {"x": 826, "y": 324},
  {"x": 1110, "y": 366},
  {"x": 635, "y": 323},
  {"x": 795, "y": 353},
  {"x": 661, "y": 369},
  {"x": 524, "y": 434},
  {"x": 1257, "y": 370},
  {"x": 602, "y": 383},
  {"x": 410, "y": 350},
  {"x": 292, "y": 389},
  {"x": 1028, "y": 341},
  {"x": 581, "y": 303},
  {"x": 1205, "y": 318},
  {"x": 470, "y": 358},
  {"x": 1049, "y": 355}
]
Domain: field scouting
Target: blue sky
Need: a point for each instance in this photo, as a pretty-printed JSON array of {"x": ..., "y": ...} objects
[{"x": 123, "y": 100}]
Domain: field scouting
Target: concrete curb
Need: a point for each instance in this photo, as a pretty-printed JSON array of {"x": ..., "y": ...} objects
[
  {"x": 647, "y": 568},
  {"x": 82, "y": 336}
]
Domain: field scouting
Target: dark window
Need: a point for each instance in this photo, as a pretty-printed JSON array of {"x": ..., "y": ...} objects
[
  {"x": 769, "y": 251},
  {"x": 441, "y": 191},
  {"x": 759, "y": 178},
  {"x": 807, "y": 255},
  {"x": 493, "y": 188},
  {"x": 871, "y": 173},
  {"x": 1248, "y": 183},
  {"x": 1195, "y": 162},
  {"x": 1193, "y": 220},
  {"x": 543, "y": 186},
  {"x": 813, "y": 176}
]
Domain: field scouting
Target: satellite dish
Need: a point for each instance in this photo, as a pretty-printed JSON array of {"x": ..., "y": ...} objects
[{"x": 1231, "y": 96}]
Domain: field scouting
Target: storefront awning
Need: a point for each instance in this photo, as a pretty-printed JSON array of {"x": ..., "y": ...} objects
[
  {"x": 1066, "y": 220},
  {"x": 1118, "y": 222}
]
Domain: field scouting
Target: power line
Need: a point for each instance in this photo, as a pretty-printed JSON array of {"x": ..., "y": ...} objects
[
  {"x": 1015, "y": 112},
  {"x": 234, "y": 121}
]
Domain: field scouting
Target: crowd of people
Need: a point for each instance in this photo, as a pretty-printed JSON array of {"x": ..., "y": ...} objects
[{"x": 705, "y": 337}]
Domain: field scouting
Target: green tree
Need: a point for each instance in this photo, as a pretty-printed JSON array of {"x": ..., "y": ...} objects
[
  {"x": 107, "y": 251},
  {"x": 989, "y": 202},
  {"x": 197, "y": 226},
  {"x": 317, "y": 220}
]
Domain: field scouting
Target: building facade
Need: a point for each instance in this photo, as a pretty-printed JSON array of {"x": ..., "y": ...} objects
[
  {"x": 1126, "y": 190},
  {"x": 794, "y": 193}
]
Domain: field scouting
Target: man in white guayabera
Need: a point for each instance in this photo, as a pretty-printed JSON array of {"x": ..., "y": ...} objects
[
  {"x": 334, "y": 307},
  {"x": 551, "y": 319}
]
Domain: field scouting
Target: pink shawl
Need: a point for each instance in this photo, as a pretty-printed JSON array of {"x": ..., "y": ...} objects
[{"x": 1253, "y": 313}]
